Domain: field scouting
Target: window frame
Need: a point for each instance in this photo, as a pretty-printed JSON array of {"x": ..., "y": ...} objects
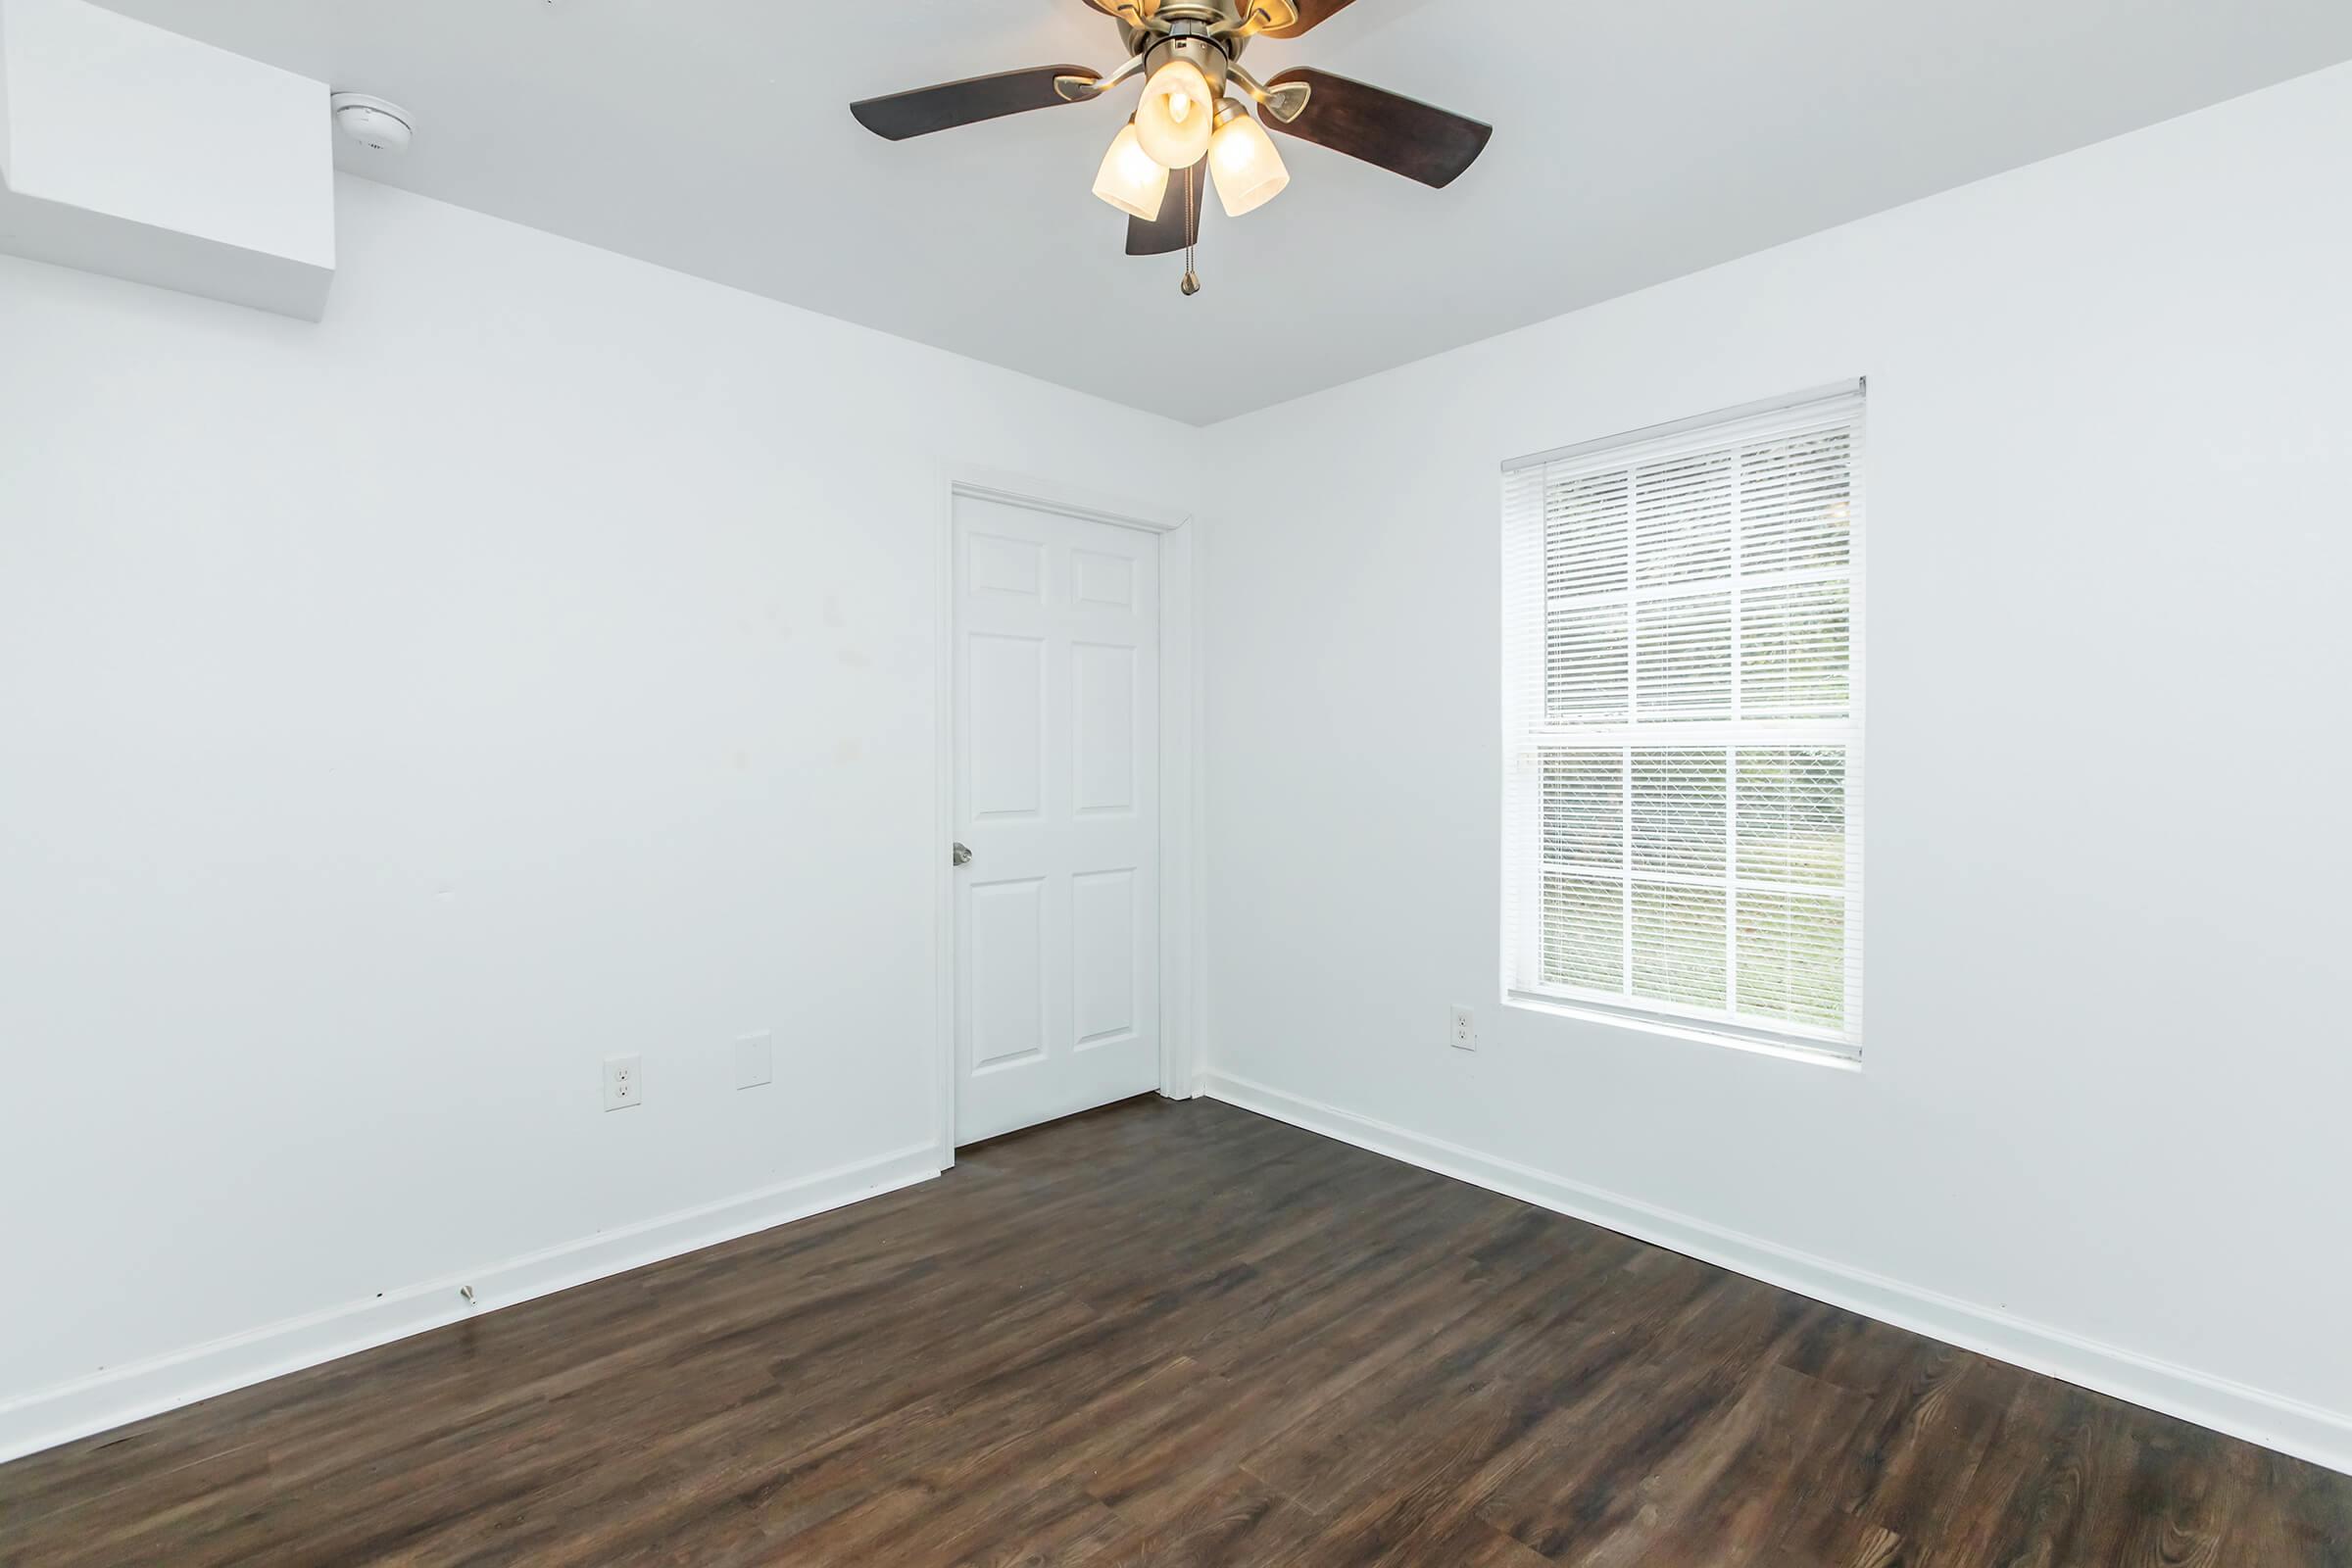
[{"x": 1527, "y": 739}]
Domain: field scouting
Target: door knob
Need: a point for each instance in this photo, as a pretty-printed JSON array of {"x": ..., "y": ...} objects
[{"x": 961, "y": 856}]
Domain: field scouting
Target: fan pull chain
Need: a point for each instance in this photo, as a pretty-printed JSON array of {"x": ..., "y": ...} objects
[{"x": 1192, "y": 231}]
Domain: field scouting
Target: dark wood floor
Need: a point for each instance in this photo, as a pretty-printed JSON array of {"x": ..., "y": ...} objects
[{"x": 1173, "y": 1334}]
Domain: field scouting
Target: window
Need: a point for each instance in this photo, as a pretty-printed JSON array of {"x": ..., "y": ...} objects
[{"x": 1682, "y": 707}]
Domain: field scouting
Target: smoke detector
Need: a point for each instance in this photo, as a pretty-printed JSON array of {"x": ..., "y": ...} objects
[{"x": 373, "y": 123}]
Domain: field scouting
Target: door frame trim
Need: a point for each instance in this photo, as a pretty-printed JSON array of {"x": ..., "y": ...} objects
[{"x": 1182, "y": 1006}]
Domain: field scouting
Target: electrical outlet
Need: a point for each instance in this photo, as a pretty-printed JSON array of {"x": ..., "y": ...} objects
[
  {"x": 1465, "y": 1030},
  {"x": 624, "y": 1082},
  {"x": 755, "y": 1059}
]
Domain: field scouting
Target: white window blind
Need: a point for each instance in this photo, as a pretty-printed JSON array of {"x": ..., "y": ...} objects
[{"x": 1682, "y": 711}]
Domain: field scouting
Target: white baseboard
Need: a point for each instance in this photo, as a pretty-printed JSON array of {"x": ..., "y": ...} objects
[
  {"x": 2275, "y": 1421},
  {"x": 65, "y": 1411}
]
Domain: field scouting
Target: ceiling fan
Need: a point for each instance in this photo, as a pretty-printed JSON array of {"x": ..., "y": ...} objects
[{"x": 1187, "y": 133}]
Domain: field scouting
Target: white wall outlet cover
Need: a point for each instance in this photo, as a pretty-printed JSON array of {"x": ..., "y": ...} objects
[
  {"x": 1465, "y": 1036},
  {"x": 624, "y": 1082},
  {"x": 755, "y": 1059}
]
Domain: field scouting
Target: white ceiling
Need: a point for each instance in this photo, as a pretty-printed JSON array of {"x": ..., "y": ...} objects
[{"x": 1635, "y": 141}]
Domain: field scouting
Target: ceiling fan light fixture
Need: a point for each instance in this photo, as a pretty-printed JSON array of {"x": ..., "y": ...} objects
[
  {"x": 1243, "y": 161},
  {"x": 1177, "y": 115},
  {"x": 1187, "y": 54},
  {"x": 1129, "y": 179}
]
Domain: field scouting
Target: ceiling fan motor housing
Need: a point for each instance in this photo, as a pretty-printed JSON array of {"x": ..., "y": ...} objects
[
  {"x": 1212, "y": 56},
  {"x": 1221, "y": 26},
  {"x": 1232, "y": 21}
]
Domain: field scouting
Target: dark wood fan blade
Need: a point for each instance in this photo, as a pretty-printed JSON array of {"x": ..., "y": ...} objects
[
  {"x": 964, "y": 103},
  {"x": 1382, "y": 128},
  {"x": 1311, "y": 14},
  {"x": 1179, "y": 222}
]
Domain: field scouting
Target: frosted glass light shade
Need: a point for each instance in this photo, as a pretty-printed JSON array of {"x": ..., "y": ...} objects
[
  {"x": 1129, "y": 179},
  {"x": 1177, "y": 115},
  {"x": 1249, "y": 172}
]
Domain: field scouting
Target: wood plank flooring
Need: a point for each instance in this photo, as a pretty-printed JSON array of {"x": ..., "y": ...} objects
[{"x": 1183, "y": 1336}]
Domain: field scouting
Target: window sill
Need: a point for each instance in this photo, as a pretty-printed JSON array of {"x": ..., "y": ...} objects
[{"x": 1838, "y": 1059}]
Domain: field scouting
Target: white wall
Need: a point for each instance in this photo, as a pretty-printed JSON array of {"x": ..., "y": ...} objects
[
  {"x": 131, "y": 150},
  {"x": 534, "y": 660},
  {"x": 2100, "y": 1125}
]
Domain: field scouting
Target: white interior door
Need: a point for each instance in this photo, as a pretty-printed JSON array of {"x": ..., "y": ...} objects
[{"x": 1058, "y": 798}]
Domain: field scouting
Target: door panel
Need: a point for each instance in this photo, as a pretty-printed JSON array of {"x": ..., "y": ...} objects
[
  {"x": 1057, "y": 796},
  {"x": 1103, "y": 941},
  {"x": 1009, "y": 724},
  {"x": 1102, "y": 727},
  {"x": 1008, "y": 967}
]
